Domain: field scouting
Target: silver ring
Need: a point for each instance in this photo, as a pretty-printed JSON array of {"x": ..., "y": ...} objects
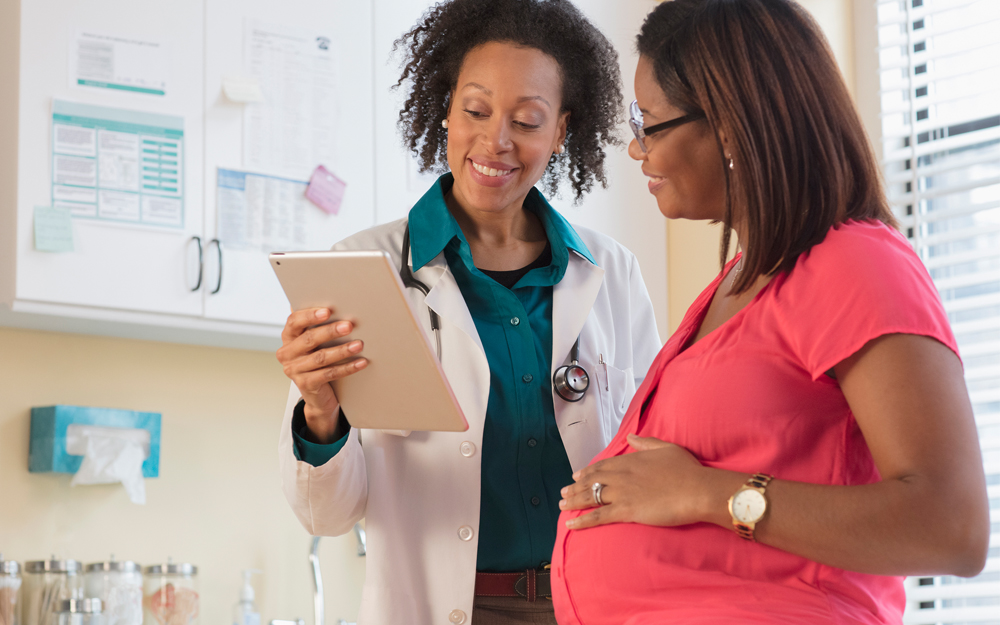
[{"x": 595, "y": 490}]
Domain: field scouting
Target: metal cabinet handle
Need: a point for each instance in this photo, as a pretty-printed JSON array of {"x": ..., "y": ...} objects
[
  {"x": 218, "y": 249},
  {"x": 201, "y": 261}
]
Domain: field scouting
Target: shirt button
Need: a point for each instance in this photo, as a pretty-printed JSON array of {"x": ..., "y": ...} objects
[
  {"x": 535, "y": 501},
  {"x": 465, "y": 533},
  {"x": 457, "y": 617},
  {"x": 468, "y": 449},
  {"x": 514, "y": 321},
  {"x": 532, "y": 442},
  {"x": 526, "y": 378}
]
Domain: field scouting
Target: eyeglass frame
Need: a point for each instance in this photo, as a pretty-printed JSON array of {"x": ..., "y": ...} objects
[{"x": 635, "y": 122}]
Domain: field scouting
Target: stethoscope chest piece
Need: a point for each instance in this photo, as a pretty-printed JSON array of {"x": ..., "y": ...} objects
[{"x": 571, "y": 381}]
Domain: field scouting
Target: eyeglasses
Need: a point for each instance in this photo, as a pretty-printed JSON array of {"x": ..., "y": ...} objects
[{"x": 635, "y": 122}]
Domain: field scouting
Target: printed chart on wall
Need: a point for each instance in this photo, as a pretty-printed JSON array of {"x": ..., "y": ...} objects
[
  {"x": 260, "y": 212},
  {"x": 292, "y": 130},
  {"x": 120, "y": 63},
  {"x": 118, "y": 166}
]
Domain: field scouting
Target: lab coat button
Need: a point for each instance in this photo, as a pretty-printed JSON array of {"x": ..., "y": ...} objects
[
  {"x": 465, "y": 533},
  {"x": 468, "y": 449},
  {"x": 514, "y": 321},
  {"x": 457, "y": 617}
]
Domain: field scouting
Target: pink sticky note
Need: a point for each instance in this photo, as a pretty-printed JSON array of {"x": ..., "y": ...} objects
[{"x": 326, "y": 190}]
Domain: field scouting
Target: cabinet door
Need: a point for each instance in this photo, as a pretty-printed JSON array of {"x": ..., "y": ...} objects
[
  {"x": 248, "y": 290},
  {"x": 112, "y": 266}
]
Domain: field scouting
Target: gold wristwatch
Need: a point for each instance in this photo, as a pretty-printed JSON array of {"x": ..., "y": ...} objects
[{"x": 748, "y": 505}]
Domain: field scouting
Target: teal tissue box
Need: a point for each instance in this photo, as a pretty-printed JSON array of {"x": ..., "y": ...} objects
[{"x": 47, "y": 452}]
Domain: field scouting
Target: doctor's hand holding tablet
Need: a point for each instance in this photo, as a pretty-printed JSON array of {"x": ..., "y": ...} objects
[
  {"x": 346, "y": 301},
  {"x": 312, "y": 367}
]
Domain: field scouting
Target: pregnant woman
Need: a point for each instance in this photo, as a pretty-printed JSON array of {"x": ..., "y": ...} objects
[{"x": 805, "y": 438}]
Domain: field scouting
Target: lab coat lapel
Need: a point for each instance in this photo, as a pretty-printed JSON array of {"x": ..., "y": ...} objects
[
  {"x": 445, "y": 298},
  {"x": 572, "y": 299},
  {"x": 467, "y": 367}
]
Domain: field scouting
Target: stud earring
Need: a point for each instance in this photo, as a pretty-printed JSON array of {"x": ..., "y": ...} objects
[
  {"x": 731, "y": 164},
  {"x": 444, "y": 123},
  {"x": 560, "y": 149}
]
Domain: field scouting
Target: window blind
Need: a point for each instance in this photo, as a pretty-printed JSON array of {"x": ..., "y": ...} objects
[{"x": 939, "y": 70}]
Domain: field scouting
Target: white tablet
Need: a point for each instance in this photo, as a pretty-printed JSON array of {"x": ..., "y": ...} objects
[{"x": 403, "y": 386}]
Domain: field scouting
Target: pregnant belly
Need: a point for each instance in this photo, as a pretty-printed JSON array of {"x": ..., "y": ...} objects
[{"x": 630, "y": 573}]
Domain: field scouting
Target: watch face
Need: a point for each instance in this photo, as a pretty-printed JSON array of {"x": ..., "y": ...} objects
[{"x": 749, "y": 506}]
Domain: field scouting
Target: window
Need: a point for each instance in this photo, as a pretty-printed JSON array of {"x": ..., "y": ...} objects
[{"x": 939, "y": 75}]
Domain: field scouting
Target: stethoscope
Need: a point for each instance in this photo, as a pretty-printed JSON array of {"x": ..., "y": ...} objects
[{"x": 569, "y": 381}]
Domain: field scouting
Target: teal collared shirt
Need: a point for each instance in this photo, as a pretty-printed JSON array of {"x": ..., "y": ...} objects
[{"x": 524, "y": 462}]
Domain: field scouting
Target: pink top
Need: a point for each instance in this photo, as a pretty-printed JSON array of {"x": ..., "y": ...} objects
[{"x": 752, "y": 397}]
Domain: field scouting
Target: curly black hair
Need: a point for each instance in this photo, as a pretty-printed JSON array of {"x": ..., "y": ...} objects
[{"x": 591, "y": 83}]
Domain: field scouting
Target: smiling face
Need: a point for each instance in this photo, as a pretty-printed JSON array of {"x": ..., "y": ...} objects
[
  {"x": 503, "y": 125},
  {"x": 682, "y": 163}
]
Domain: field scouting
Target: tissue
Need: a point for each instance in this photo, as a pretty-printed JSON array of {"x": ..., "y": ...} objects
[{"x": 110, "y": 455}]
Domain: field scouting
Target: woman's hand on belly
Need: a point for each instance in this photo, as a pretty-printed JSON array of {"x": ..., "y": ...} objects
[
  {"x": 659, "y": 484},
  {"x": 311, "y": 363}
]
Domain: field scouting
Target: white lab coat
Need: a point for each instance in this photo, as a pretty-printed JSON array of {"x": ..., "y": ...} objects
[{"x": 420, "y": 492}]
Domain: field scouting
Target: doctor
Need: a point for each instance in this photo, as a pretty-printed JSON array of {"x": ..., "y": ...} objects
[{"x": 504, "y": 93}]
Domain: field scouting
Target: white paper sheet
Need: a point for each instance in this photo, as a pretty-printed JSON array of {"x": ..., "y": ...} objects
[
  {"x": 258, "y": 212},
  {"x": 121, "y": 63},
  {"x": 292, "y": 130}
]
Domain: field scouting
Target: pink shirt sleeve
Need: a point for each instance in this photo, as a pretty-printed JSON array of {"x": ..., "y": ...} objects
[{"x": 863, "y": 281}]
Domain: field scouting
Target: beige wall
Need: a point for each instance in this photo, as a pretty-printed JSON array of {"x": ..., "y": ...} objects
[
  {"x": 693, "y": 247},
  {"x": 217, "y": 502}
]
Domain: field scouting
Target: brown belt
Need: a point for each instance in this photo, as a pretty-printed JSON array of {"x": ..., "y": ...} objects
[{"x": 530, "y": 584}]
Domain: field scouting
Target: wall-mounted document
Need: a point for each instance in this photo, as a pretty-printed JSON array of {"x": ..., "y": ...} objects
[
  {"x": 117, "y": 165},
  {"x": 121, "y": 63},
  {"x": 258, "y": 212},
  {"x": 292, "y": 130}
]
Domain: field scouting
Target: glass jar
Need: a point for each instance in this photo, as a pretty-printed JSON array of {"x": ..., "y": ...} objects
[
  {"x": 171, "y": 594},
  {"x": 10, "y": 591},
  {"x": 119, "y": 587},
  {"x": 78, "y": 612},
  {"x": 46, "y": 584}
]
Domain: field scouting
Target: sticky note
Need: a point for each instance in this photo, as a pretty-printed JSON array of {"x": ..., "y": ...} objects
[
  {"x": 326, "y": 190},
  {"x": 243, "y": 89},
  {"x": 53, "y": 229}
]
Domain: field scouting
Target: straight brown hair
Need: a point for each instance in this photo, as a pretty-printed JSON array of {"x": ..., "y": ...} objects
[{"x": 764, "y": 76}]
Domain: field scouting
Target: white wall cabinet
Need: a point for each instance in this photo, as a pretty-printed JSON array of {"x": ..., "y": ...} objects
[
  {"x": 117, "y": 267},
  {"x": 140, "y": 282}
]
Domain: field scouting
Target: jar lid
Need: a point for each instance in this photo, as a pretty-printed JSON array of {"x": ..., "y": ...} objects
[
  {"x": 52, "y": 566},
  {"x": 171, "y": 569},
  {"x": 80, "y": 606},
  {"x": 9, "y": 567},
  {"x": 114, "y": 566}
]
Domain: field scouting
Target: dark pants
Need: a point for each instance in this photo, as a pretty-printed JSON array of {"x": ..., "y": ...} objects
[{"x": 512, "y": 611}]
